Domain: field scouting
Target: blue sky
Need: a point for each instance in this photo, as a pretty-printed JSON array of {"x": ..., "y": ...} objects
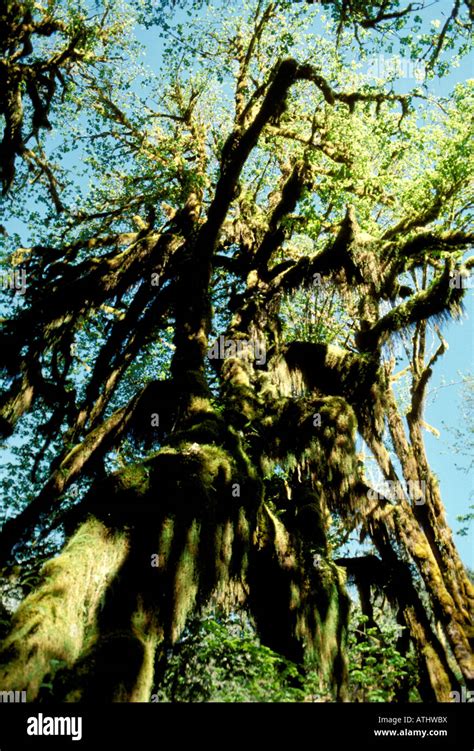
[{"x": 444, "y": 412}]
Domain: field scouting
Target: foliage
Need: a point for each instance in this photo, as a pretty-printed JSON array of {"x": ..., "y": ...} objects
[
  {"x": 377, "y": 670},
  {"x": 220, "y": 659}
]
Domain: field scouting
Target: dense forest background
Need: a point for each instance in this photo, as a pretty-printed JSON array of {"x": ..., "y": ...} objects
[{"x": 228, "y": 265}]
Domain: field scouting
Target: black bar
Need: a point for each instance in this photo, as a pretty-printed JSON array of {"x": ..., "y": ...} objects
[{"x": 323, "y": 726}]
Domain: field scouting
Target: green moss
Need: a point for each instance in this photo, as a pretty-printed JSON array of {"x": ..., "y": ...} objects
[
  {"x": 186, "y": 581},
  {"x": 166, "y": 539},
  {"x": 133, "y": 478},
  {"x": 216, "y": 462},
  {"x": 203, "y": 426},
  {"x": 59, "y": 617},
  {"x": 301, "y": 609}
]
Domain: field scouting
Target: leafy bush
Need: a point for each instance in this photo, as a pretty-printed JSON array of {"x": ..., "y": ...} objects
[
  {"x": 377, "y": 670},
  {"x": 222, "y": 660}
]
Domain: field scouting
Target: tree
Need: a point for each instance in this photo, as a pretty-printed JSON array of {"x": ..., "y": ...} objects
[{"x": 194, "y": 447}]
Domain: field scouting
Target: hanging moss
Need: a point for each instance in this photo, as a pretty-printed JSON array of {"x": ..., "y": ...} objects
[
  {"x": 325, "y": 451},
  {"x": 186, "y": 581},
  {"x": 166, "y": 537},
  {"x": 301, "y": 610},
  {"x": 304, "y": 367}
]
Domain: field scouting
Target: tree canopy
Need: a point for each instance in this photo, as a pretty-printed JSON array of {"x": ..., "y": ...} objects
[{"x": 214, "y": 267}]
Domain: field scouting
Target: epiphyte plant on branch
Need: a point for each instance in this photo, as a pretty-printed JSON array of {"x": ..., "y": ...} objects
[{"x": 256, "y": 172}]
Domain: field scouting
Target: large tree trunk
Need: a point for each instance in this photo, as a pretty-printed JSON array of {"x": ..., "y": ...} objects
[
  {"x": 59, "y": 618},
  {"x": 426, "y": 535},
  {"x": 185, "y": 527}
]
